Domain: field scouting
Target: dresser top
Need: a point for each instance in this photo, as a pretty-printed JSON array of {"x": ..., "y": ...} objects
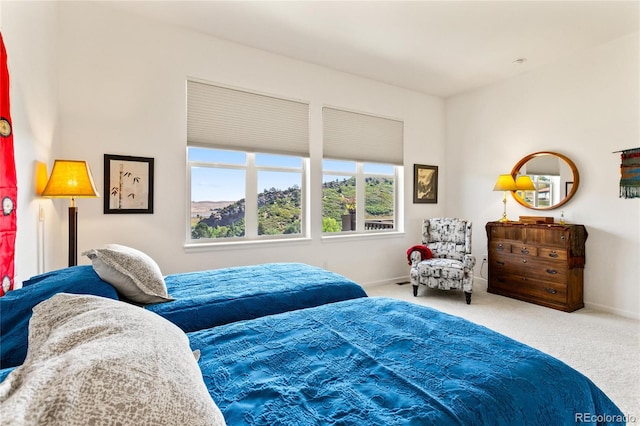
[{"x": 556, "y": 226}]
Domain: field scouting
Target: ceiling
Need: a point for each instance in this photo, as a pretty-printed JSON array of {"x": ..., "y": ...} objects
[{"x": 436, "y": 47}]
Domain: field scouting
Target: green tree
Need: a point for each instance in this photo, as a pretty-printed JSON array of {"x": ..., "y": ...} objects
[
  {"x": 329, "y": 224},
  {"x": 201, "y": 230}
]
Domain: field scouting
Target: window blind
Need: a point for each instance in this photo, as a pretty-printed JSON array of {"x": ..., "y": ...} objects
[
  {"x": 241, "y": 120},
  {"x": 362, "y": 137}
]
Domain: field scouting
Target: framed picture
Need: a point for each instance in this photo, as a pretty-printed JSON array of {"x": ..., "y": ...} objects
[
  {"x": 568, "y": 186},
  {"x": 425, "y": 184},
  {"x": 128, "y": 184}
]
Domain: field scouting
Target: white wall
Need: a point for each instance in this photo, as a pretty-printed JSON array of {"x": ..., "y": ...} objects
[
  {"x": 93, "y": 81},
  {"x": 122, "y": 91},
  {"x": 29, "y": 32},
  {"x": 585, "y": 108}
]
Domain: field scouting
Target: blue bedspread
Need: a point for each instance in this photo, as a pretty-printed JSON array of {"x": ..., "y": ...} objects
[
  {"x": 214, "y": 297},
  {"x": 16, "y": 306},
  {"x": 375, "y": 361}
]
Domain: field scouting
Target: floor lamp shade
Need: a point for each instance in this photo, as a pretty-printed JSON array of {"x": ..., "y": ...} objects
[{"x": 71, "y": 179}]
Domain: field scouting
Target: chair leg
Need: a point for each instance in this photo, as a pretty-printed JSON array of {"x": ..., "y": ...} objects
[
  {"x": 468, "y": 297},
  {"x": 415, "y": 291}
]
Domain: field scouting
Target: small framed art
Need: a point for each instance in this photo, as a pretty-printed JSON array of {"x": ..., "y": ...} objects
[
  {"x": 425, "y": 184},
  {"x": 128, "y": 184}
]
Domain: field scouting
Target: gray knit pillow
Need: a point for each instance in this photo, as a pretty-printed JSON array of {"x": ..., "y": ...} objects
[
  {"x": 93, "y": 360},
  {"x": 135, "y": 275}
]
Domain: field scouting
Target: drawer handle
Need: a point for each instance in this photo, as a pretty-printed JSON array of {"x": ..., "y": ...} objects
[
  {"x": 552, "y": 271},
  {"x": 553, "y": 254},
  {"x": 524, "y": 251},
  {"x": 500, "y": 263},
  {"x": 563, "y": 237},
  {"x": 500, "y": 247},
  {"x": 524, "y": 260},
  {"x": 551, "y": 290}
]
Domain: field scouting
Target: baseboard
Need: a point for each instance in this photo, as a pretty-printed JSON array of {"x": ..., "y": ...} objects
[
  {"x": 610, "y": 310},
  {"x": 385, "y": 282},
  {"x": 479, "y": 283}
]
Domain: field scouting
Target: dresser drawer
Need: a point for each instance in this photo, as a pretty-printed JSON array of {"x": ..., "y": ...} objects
[
  {"x": 529, "y": 288},
  {"x": 524, "y": 250},
  {"x": 527, "y": 265},
  {"x": 548, "y": 237},
  {"x": 499, "y": 247},
  {"x": 551, "y": 253}
]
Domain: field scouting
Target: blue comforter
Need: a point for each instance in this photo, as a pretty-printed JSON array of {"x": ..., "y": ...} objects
[
  {"x": 214, "y": 297},
  {"x": 16, "y": 306},
  {"x": 375, "y": 361}
]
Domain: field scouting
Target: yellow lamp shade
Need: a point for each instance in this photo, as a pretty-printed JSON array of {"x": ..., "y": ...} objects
[
  {"x": 505, "y": 183},
  {"x": 524, "y": 183},
  {"x": 70, "y": 178}
]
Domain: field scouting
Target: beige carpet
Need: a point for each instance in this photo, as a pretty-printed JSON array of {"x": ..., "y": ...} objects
[{"x": 602, "y": 346}]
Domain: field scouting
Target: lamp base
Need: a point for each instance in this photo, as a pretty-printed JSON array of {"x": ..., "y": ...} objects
[{"x": 504, "y": 209}]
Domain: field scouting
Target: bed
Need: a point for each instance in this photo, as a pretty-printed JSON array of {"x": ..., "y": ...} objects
[
  {"x": 202, "y": 299},
  {"x": 382, "y": 361},
  {"x": 205, "y": 299},
  {"x": 193, "y": 300},
  {"x": 361, "y": 361}
]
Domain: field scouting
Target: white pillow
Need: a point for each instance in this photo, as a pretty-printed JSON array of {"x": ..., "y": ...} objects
[
  {"x": 93, "y": 360},
  {"x": 133, "y": 273}
]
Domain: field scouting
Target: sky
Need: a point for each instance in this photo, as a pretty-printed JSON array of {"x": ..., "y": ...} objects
[{"x": 228, "y": 184}]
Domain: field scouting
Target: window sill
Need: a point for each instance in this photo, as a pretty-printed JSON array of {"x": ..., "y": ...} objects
[
  {"x": 231, "y": 245},
  {"x": 361, "y": 236}
]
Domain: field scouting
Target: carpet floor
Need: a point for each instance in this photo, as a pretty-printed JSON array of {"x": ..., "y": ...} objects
[{"x": 602, "y": 346}]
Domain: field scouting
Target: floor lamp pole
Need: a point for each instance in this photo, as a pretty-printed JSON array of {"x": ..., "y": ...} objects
[{"x": 73, "y": 233}]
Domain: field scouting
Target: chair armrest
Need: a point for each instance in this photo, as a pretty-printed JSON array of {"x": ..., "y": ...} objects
[
  {"x": 415, "y": 258},
  {"x": 469, "y": 261}
]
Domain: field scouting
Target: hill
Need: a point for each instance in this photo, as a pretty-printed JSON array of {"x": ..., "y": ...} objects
[{"x": 279, "y": 210}]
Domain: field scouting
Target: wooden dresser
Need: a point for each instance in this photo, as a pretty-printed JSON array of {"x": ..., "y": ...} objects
[{"x": 537, "y": 263}]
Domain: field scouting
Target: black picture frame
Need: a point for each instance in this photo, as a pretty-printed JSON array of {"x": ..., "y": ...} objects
[
  {"x": 425, "y": 184},
  {"x": 128, "y": 184},
  {"x": 568, "y": 186}
]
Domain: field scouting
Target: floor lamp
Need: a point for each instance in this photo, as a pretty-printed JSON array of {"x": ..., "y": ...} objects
[
  {"x": 71, "y": 179},
  {"x": 505, "y": 183}
]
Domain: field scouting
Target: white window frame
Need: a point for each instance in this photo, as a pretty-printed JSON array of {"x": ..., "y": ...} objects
[
  {"x": 251, "y": 197},
  {"x": 360, "y": 177}
]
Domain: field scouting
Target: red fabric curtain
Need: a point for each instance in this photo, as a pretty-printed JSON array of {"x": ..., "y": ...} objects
[{"x": 8, "y": 180}]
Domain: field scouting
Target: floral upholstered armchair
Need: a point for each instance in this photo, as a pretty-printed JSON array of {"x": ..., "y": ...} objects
[{"x": 448, "y": 262}]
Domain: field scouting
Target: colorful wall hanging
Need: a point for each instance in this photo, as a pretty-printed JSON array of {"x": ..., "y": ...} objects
[
  {"x": 8, "y": 181},
  {"x": 630, "y": 173}
]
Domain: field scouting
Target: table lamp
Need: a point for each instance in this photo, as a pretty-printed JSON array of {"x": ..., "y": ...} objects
[
  {"x": 524, "y": 183},
  {"x": 505, "y": 183}
]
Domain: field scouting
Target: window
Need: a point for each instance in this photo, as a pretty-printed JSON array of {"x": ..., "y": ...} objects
[
  {"x": 238, "y": 195},
  {"x": 247, "y": 156},
  {"x": 349, "y": 187},
  {"x": 363, "y": 156}
]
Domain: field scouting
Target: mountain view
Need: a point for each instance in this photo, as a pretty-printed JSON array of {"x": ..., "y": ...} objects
[{"x": 279, "y": 210}]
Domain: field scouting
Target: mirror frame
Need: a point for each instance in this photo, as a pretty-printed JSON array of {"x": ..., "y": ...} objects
[{"x": 572, "y": 166}]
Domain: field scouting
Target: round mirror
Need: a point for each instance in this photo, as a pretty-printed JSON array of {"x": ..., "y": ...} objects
[{"x": 555, "y": 180}]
